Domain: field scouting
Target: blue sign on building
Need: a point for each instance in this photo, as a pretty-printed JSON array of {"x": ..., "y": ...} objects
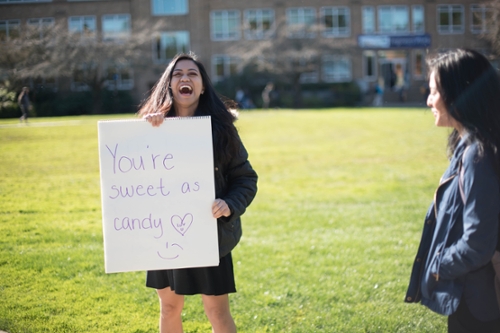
[{"x": 394, "y": 42}]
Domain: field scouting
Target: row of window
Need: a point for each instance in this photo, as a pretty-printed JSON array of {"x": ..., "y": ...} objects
[
  {"x": 18, "y": 1},
  {"x": 333, "y": 69},
  {"x": 336, "y": 68},
  {"x": 158, "y": 7},
  {"x": 300, "y": 22},
  {"x": 36, "y": 1},
  {"x": 260, "y": 23},
  {"x": 12, "y": 28},
  {"x": 113, "y": 26},
  {"x": 165, "y": 44},
  {"x": 118, "y": 77},
  {"x": 335, "y": 21}
]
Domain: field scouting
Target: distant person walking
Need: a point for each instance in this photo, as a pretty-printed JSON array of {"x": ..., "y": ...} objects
[
  {"x": 378, "y": 100},
  {"x": 266, "y": 95},
  {"x": 24, "y": 103},
  {"x": 454, "y": 270}
]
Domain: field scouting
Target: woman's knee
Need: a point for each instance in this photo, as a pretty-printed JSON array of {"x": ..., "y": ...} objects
[
  {"x": 218, "y": 313},
  {"x": 171, "y": 304},
  {"x": 217, "y": 308}
]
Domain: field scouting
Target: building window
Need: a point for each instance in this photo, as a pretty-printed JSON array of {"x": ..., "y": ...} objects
[
  {"x": 368, "y": 17},
  {"x": 119, "y": 77},
  {"x": 309, "y": 77},
  {"x": 259, "y": 23},
  {"x": 481, "y": 17},
  {"x": 417, "y": 16},
  {"x": 82, "y": 25},
  {"x": 393, "y": 19},
  {"x": 225, "y": 24},
  {"x": 300, "y": 22},
  {"x": 336, "y": 21},
  {"x": 336, "y": 69},
  {"x": 9, "y": 29},
  {"x": 418, "y": 64},
  {"x": 223, "y": 66},
  {"x": 450, "y": 19},
  {"x": 168, "y": 44},
  {"x": 115, "y": 26},
  {"x": 169, "y": 7},
  {"x": 40, "y": 25},
  {"x": 369, "y": 65},
  {"x": 81, "y": 77}
]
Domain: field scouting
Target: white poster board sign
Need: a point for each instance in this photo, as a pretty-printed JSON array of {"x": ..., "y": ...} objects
[{"x": 157, "y": 190}]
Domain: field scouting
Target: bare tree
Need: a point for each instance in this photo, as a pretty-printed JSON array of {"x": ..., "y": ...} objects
[
  {"x": 89, "y": 61},
  {"x": 488, "y": 20},
  {"x": 291, "y": 54}
]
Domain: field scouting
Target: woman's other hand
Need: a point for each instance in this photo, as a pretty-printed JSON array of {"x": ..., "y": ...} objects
[
  {"x": 220, "y": 208},
  {"x": 155, "y": 119}
]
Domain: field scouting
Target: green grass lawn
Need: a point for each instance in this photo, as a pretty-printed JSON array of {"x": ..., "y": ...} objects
[{"x": 328, "y": 242}]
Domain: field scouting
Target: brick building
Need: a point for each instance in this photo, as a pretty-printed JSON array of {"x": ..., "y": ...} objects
[{"x": 354, "y": 40}]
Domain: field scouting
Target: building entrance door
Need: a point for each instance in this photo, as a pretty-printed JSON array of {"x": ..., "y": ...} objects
[{"x": 393, "y": 72}]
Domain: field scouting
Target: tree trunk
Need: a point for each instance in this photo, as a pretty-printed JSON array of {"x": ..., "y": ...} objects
[{"x": 297, "y": 92}]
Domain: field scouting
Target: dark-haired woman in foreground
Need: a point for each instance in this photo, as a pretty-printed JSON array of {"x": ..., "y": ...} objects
[
  {"x": 185, "y": 90},
  {"x": 453, "y": 273}
]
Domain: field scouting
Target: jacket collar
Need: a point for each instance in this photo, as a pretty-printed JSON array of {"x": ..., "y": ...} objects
[
  {"x": 462, "y": 144},
  {"x": 456, "y": 158}
]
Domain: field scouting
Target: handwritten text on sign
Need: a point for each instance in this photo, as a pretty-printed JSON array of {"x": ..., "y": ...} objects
[{"x": 157, "y": 191}]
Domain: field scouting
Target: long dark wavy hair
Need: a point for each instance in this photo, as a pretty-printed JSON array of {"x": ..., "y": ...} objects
[
  {"x": 224, "y": 134},
  {"x": 470, "y": 88}
]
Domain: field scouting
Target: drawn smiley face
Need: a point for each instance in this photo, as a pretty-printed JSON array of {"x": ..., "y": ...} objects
[{"x": 172, "y": 251}]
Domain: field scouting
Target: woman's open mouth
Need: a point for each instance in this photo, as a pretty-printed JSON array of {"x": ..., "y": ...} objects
[{"x": 185, "y": 90}]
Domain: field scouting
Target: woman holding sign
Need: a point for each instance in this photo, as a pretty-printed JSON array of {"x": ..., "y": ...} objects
[
  {"x": 185, "y": 90},
  {"x": 454, "y": 270}
]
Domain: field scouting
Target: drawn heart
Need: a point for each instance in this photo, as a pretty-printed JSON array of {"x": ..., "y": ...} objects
[{"x": 182, "y": 224}]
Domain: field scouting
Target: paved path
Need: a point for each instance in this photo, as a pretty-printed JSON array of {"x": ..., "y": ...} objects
[{"x": 43, "y": 124}]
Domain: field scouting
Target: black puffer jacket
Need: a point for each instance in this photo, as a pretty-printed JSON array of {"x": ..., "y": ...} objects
[{"x": 236, "y": 184}]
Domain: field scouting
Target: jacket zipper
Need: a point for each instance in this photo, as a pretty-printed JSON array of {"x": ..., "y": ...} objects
[
  {"x": 435, "y": 193},
  {"x": 439, "y": 253}
]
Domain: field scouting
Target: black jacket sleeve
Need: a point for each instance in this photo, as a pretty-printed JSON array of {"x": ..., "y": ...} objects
[{"x": 238, "y": 185}]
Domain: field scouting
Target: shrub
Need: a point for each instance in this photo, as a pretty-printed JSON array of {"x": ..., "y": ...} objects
[
  {"x": 118, "y": 102},
  {"x": 66, "y": 103},
  {"x": 8, "y": 104}
]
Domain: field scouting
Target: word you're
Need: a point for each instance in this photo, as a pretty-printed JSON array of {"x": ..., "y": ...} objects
[{"x": 123, "y": 163}]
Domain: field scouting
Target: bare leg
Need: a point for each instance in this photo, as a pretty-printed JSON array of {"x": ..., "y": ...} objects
[
  {"x": 218, "y": 313},
  {"x": 171, "y": 306}
]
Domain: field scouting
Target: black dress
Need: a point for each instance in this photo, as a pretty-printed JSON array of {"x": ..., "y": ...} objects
[
  {"x": 236, "y": 184},
  {"x": 218, "y": 280}
]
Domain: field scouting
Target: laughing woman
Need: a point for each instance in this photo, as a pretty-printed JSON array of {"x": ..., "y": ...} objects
[
  {"x": 185, "y": 90},
  {"x": 453, "y": 272}
]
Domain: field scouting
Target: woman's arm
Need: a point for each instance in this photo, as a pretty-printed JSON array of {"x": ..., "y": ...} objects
[
  {"x": 241, "y": 187},
  {"x": 480, "y": 218}
]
